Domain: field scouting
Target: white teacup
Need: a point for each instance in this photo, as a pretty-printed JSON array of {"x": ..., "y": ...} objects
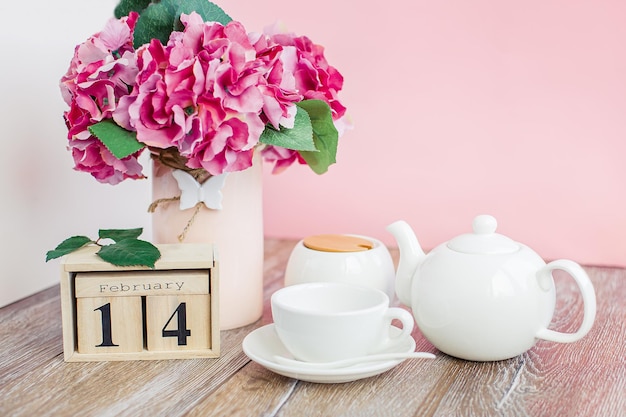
[{"x": 329, "y": 321}]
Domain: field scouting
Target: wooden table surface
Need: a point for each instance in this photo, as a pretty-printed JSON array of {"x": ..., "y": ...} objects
[{"x": 586, "y": 378}]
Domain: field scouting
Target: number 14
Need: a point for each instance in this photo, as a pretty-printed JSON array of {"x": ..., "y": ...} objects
[{"x": 181, "y": 332}]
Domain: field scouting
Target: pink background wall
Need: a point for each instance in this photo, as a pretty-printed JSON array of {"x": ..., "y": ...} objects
[
  {"x": 516, "y": 109},
  {"x": 460, "y": 107}
]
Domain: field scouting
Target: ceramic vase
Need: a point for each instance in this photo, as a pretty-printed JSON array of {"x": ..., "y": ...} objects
[{"x": 236, "y": 229}]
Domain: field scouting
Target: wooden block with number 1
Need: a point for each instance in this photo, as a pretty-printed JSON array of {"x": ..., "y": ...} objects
[{"x": 109, "y": 325}]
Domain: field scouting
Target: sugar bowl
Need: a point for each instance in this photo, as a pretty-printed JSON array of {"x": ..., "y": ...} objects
[{"x": 349, "y": 259}]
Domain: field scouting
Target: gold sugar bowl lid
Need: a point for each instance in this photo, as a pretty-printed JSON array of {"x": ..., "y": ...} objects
[{"x": 337, "y": 243}]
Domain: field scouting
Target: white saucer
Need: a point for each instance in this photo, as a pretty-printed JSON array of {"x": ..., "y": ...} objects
[{"x": 263, "y": 344}]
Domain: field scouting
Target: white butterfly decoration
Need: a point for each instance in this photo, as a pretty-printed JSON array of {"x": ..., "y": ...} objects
[{"x": 192, "y": 192}]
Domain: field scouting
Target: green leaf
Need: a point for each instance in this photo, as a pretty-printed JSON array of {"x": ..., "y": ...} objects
[
  {"x": 325, "y": 136},
  {"x": 124, "y": 7},
  {"x": 120, "y": 234},
  {"x": 299, "y": 138},
  {"x": 156, "y": 21},
  {"x": 119, "y": 141},
  {"x": 130, "y": 252},
  {"x": 210, "y": 12},
  {"x": 67, "y": 246},
  {"x": 159, "y": 19}
]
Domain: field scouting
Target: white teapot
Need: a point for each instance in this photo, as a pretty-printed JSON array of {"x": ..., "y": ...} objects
[{"x": 482, "y": 296}]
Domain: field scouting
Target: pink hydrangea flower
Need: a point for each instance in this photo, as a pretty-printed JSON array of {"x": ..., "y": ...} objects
[
  {"x": 92, "y": 156},
  {"x": 209, "y": 93},
  {"x": 299, "y": 70},
  {"x": 102, "y": 71},
  {"x": 314, "y": 77},
  {"x": 282, "y": 158},
  {"x": 279, "y": 88},
  {"x": 200, "y": 94}
]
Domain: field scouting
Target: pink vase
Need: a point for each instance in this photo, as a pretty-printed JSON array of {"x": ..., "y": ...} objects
[{"x": 236, "y": 230}]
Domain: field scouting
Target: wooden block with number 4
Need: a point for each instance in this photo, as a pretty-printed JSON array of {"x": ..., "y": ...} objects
[
  {"x": 178, "y": 322},
  {"x": 109, "y": 325}
]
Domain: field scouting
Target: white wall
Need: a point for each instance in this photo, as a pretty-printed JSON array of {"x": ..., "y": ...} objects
[{"x": 43, "y": 200}]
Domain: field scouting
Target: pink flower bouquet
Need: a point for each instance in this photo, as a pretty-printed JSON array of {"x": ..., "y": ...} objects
[{"x": 184, "y": 80}]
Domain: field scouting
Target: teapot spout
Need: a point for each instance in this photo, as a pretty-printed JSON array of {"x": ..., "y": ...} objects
[{"x": 411, "y": 254}]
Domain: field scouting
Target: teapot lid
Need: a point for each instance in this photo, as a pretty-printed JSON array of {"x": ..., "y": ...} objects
[
  {"x": 484, "y": 239},
  {"x": 337, "y": 243}
]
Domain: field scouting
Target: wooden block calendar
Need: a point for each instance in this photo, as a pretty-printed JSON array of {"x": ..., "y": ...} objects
[{"x": 115, "y": 313}]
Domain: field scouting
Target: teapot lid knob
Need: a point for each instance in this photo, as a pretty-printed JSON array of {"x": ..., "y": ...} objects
[
  {"x": 484, "y": 239},
  {"x": 484, "y": 224}
]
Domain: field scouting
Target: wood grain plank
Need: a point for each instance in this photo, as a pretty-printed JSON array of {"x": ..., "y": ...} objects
[
  {"x": 34, "y": 380},
  {"x": 253, "y": 392},
  {"x": 546, "y": 381},
  {"x": 30, "y": 334},
  {"x": 586, "y": 378},
  {"x": 122, "y": 388}
]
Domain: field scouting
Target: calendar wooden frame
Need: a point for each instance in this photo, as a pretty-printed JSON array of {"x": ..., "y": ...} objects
[{"x": 181, "y": 259}]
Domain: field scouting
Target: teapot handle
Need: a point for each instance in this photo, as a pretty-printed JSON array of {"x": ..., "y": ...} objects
[{"x": 544, "y": 277}]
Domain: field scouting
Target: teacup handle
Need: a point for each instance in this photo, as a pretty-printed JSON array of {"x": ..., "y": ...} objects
[
  {"x": 407, "y": 321},
  {"x": 544, "y": 277}
]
